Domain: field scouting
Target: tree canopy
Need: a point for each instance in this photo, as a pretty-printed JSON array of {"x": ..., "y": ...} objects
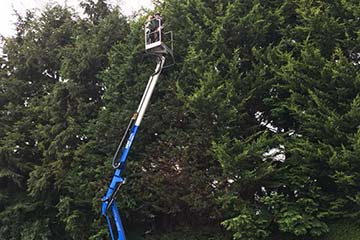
[{"x": 253, "y": 134}]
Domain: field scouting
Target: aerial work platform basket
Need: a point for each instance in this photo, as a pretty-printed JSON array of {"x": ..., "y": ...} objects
[{"x": 157, "y": 41}]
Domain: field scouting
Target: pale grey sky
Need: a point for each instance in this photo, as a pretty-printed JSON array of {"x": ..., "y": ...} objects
[{"x": 7, "y": 17}]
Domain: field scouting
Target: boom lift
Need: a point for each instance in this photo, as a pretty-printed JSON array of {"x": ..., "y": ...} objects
[{"x": 155, "y": 46}]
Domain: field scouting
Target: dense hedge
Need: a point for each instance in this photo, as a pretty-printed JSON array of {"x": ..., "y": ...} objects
[{"x": 253, "y": 134}]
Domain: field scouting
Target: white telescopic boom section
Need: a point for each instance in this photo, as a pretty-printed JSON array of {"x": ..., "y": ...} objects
[{"x": 149, "y": 90}]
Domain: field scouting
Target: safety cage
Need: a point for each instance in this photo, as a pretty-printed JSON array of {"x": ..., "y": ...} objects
[{"x": 156, "y": 40}]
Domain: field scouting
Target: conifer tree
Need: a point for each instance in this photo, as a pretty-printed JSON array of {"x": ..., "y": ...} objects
[{"x": 253, "y": 134}]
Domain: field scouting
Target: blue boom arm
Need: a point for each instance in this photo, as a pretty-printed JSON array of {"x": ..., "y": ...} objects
[{"x": 119, "y": 160}]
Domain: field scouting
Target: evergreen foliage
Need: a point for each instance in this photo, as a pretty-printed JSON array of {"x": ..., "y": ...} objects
[{"x": 253, "y": 134}]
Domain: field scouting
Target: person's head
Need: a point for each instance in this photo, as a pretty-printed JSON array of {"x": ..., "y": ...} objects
[
  {"x": 157, "y": 15},
  {"x": 150, "y": 17}
]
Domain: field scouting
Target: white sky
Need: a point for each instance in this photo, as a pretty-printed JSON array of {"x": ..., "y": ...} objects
[{"x": 7, "y": 7}]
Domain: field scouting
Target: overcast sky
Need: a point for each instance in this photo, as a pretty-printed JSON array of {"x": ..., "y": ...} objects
[{"x": 7, "y": 7}]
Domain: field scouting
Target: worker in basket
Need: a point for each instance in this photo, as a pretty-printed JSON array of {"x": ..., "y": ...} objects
[{"x": 154, "y": 26}]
